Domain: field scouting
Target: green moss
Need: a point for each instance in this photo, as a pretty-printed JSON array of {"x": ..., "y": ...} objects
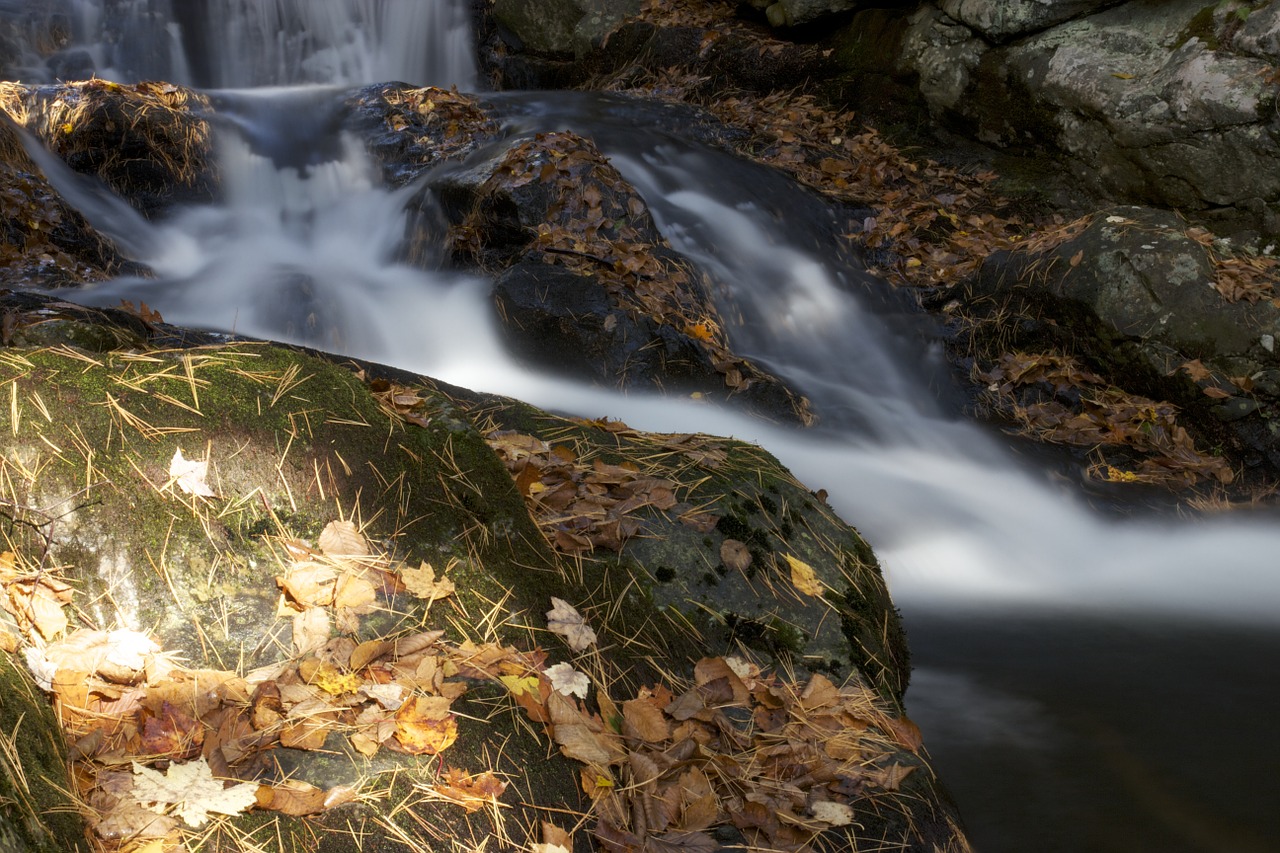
[{"x": 35, "y": 816}]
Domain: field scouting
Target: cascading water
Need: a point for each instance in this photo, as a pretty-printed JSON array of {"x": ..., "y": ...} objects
[{"x": 1086, "y": 683}]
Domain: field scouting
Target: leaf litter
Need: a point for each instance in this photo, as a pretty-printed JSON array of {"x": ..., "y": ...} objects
[{"x": 160, "y": 749}]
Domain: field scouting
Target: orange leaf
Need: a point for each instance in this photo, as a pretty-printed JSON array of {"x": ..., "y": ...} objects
[{"x": 424, "y": 725}]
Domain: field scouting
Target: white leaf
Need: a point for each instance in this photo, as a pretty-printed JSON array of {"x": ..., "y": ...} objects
[
  {"x": 41, "y": 667},
  {"x": 567, "y": 681},
  {"x": 564, "y": 620},
  {"x": 192, "y": 791},
  {"x": 190, "y": 475},
  {"x": 129, "y": 649},
  {"x": 835, "y": 814},
  {"x": 389, "y": 696}
]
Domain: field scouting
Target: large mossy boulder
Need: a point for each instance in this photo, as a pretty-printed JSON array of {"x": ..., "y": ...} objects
[{"x": 315, "y": 577}]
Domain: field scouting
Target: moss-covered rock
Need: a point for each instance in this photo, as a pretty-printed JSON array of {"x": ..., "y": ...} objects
[{"x": 197, "y": 559}]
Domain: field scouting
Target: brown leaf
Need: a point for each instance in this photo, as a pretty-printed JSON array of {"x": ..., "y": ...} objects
[
  {"x": 577, "y": 737},
  {"x": 343, "y": 539},
  {"x": 171, "y": 734},
  {"x": 292, "y": 797},
  {"x": 644, "y": 721},
  {"x": 564, "y": 620},
  {"x": 310, "y": 630},
  {"x": 422, "y": 582},
  {"x": 470, "y": 792},
  {"x": 734, "y": 555}
]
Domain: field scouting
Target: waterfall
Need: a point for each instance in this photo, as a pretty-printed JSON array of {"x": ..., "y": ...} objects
[
  {"x": 238, "y": 44},
  {"x": 1007, "y": 577}
]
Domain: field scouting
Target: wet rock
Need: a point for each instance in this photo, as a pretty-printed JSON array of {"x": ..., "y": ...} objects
[
  {"x": 790, "y": 13},
  {"x": 553, "y": 199},
  {"x": 47, "y": 243},
  {"x": 150, "y": 142},
  {"x": 1001, "y": 20},
  {"x": 410, "y": 129},
  {"x": 1162, "y": 104},
  {"x": 561, "y": 28}
]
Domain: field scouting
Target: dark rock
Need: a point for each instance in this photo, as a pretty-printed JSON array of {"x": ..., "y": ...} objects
[
  {"x": 1137, "y": 297},
  {"x": 553, "y": 199},
  {"x": 46, "y": 242},
  {"x": 149, "y": 142}
]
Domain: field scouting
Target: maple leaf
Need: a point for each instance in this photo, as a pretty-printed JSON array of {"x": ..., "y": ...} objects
[
  {"x": 191, "y": 791},
  {"x": 563, "y": 619},
  {"x": 425, "y": 726},
  {"x": 190, "y": 474},
  {"x": 422, "y": 582},
  {"x": 567, "y": 681}
]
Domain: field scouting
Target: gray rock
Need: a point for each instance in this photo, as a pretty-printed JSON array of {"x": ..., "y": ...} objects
[
  {"x": 562, "y": 26},
  {"x": 1147, "y": 101},
  {"x": 1136, "y": 276},
  {"x": 789, "y": 13},
  {"x": 1002, "y": 20}
]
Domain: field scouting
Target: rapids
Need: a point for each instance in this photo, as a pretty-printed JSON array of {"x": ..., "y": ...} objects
[{"x": 1086, "y": 680}]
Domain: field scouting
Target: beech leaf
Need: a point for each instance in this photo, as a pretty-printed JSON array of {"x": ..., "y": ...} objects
[
  {"x": 564, "y": 620},
  {"x": 343, "y": 539}
]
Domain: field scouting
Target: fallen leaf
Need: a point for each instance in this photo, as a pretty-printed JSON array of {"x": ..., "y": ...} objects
[
  {"x": 470, "y": 792},
  {"x": 310, "y": 630},
  {"x": 343, "y": 539},
  {"x": 423, "y": 583},
  {"x": 833, "y": 814},
  {"x": 803, "y": 576},
  {"x": 564, "y": 620},
  {"x": 424, "y": 725},
  {"x": 191, "y": 791},
  {"x": 734, "y": 555},
  {"x": 567, "y": 681},
  {"x": 190, "y": 474}
]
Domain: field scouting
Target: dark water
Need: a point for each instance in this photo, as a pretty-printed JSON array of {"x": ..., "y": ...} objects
[{"x": 1085, "y": 682}]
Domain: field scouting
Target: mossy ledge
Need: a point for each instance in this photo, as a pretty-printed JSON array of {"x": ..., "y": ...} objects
[{"x": 294, "y": 441}]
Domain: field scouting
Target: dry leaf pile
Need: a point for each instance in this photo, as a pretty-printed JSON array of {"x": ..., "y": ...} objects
[
  {"x": 1076, "y": 407},
  {"x": 437, "y": 123},
  {"x": 160, "y": 750},
  {"x": 585, "y": 503},
  {"x": 781, "y": 762}
]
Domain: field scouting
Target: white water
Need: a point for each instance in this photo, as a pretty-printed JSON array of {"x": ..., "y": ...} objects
[
  {"x": 307, "y": 253},
  {"x": 234, "y": 43}
]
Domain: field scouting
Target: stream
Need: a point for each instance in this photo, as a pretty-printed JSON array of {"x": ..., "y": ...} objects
[{"x": 1086, "y": 679}]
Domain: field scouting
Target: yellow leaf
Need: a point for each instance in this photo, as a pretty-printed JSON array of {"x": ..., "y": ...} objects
[
  {"x": 803, "y": 576},
  {"x": 1120, "y": 75},
  {"x": 422, "y": 582},
  {"x": 519, "y": 686}
]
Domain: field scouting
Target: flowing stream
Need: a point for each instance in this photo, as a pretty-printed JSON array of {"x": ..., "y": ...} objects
[{"x": 1086, "y": 680}]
